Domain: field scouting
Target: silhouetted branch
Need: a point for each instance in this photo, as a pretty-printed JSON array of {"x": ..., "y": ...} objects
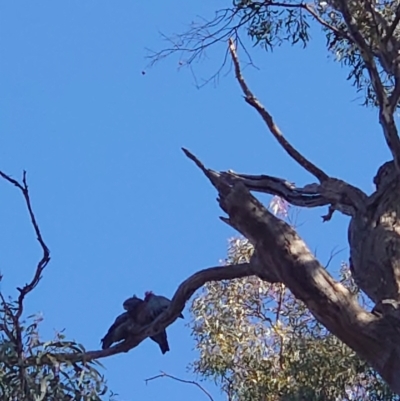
[
  {"x": 163, "y": 374},
  {"x": 337, "y": 193},
  {"x": 27, "y": 288}
]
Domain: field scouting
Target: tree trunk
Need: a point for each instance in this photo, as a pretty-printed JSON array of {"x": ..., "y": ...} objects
[{"x": 375, "y": 242}]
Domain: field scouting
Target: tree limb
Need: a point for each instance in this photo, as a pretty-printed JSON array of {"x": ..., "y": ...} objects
[
  {"x": 27, "y": 288},
  {"x": 163, "y": 374},
  {"x": 254, "y": 102},
  {"x": 283, "y": 254}
]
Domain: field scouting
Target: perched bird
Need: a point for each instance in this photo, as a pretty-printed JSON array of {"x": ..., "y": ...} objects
[
  {"x": 156, "y": 304},
  {"x": 120, "y": 330},
  {"x": 127, "y": 323}
]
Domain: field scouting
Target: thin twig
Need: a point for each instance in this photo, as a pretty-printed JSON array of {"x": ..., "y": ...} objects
[
  {"x": 254, "y": 102},
  {"x": 163, "y": 374},
  {"x": 332, "y": 255}
]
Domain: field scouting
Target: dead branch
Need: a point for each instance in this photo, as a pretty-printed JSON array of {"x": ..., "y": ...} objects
[
  {"x": 254, "y": 102},
  {"x": 163, "y": 374},
  {"x": 338, "y": 194},
  {"x": 43, "y": 262}
]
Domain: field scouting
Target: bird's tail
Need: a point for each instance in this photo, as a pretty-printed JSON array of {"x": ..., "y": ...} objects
[
  {"x": 106, "y": 341},
  {"x": 162, "y": 340}
]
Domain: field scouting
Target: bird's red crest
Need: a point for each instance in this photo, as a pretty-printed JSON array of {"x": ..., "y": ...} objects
[{"x": 147, "y": 295}]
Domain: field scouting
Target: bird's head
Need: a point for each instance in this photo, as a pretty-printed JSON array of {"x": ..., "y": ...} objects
[
  {"x": 131, "y": 303},
  {"x": 148, "y": 294}
]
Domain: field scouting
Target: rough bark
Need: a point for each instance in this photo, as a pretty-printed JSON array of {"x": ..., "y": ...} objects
[{"x": 375, "y": 242}]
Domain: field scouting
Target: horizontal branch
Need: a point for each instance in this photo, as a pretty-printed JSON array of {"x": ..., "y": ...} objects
[
  {"x": 185, "y": 290},
  {"x": 338, "y": 194}
]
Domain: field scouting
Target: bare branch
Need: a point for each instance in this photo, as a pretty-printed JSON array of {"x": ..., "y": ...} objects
[
  {"x": 254, "y": 102},
  {"x": 46, "y": 253},
  {"x": 163, "y": 374},
  {"x": 333, "y": 253},
  {"x": 200, "y": 37},
  {"x": 339, "y": 194}
]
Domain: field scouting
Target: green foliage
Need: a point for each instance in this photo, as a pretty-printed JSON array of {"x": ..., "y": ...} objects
[
  {"x": 259, "y": 343},
  {"x": 27, "y": 372}
]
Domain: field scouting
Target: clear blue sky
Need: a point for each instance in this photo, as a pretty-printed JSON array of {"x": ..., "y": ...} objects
[{"x": 121, "y": 208}]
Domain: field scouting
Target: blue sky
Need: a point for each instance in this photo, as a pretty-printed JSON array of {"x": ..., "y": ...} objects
[{"x": 121, "y": 208}]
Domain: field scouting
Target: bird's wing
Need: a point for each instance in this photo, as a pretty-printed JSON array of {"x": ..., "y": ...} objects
[
  {"x": 120, "y": 320},
  {"x": 158, "y": 304},
  {"x": 117, "y": 331}
]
